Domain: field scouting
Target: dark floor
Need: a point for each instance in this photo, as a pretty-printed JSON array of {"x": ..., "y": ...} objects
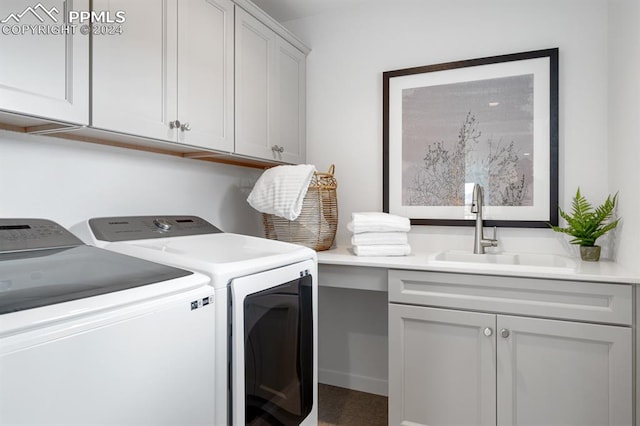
[{"x": 345, "y": 407}]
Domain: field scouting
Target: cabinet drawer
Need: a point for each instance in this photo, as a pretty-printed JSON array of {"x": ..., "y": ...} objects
[{"x": 547, "y": 298}]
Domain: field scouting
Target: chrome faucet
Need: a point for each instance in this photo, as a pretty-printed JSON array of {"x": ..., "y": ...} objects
[{"x": 480, "y": 242}]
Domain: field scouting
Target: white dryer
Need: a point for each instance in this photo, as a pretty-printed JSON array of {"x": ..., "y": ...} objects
[
  {"x": 89, "y": 336},
  {"x": 265, "y": 304}
]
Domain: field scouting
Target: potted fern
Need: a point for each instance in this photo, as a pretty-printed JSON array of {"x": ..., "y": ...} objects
[{"x": 586, "y": 224}]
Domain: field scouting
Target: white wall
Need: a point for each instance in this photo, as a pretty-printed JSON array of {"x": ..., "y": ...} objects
[
  {"x": 624, "y": 116},
  {"x": 69, "y": 182},
  {"x": 352, "y": 339},
  {"x": 352, "y": 47}
]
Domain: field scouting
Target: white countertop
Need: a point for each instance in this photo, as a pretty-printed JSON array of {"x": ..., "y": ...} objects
[{"x": 602, "y": 271}]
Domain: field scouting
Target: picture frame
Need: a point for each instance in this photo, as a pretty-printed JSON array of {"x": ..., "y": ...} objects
[{"x": 492, "y": 121}]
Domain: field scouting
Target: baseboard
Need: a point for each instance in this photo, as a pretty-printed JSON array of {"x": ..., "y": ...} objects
[{"x": 354, "y": 382}]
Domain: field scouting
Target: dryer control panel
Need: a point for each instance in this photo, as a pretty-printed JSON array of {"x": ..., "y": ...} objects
[{"x": 130, "y": 228}]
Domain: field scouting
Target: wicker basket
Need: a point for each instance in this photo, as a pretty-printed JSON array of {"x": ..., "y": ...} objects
[{"x": 318, "y": 221}]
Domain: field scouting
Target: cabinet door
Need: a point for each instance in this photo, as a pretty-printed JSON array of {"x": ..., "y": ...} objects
[
  {"x": 255, "y": 44},
  {"x": 563, "y": 373},
  {"x": 270, "y": 93},
  {"x": 134, "y": 74},
  {"x": 441, "y": 367},
  {"x": 44, "y": 75},
  {"x": 289, "y": 130},
  {"x": 205, "y": 73}
]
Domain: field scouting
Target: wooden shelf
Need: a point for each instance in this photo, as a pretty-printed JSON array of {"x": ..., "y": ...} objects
[{"x": 37, "y": 126}]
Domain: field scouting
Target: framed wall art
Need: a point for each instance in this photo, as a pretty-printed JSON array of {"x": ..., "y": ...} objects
[{"x": 491, "y": 121}]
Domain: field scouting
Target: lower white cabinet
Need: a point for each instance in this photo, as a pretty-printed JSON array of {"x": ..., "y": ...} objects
[
  {"x": 449, "y": 365},
  {"x": 563, "y": 372},
  {"x": 442, "y": 369}
]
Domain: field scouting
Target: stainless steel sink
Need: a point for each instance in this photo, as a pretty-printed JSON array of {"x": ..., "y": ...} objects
[{"x": 532, "y": 260}]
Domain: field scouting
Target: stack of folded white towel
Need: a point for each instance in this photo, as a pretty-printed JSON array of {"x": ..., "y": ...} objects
[{"x": 379, "y": 234}]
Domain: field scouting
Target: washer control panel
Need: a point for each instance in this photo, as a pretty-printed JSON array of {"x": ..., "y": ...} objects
[
  {"x": 34, "y": 234},
  {"x": 133, "y": 228}
]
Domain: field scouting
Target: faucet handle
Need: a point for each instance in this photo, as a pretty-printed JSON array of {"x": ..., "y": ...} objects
[{"x": 493, "y": 242}]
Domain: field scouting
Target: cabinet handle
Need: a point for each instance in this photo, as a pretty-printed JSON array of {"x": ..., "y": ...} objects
[
  {"x": 174, "y": 124},
  {"x": 504, "y": 333},
  {"x": 277, "y": 148},
  {"x": 487, "y": 331},
  {"x": 185, "y": 127}
]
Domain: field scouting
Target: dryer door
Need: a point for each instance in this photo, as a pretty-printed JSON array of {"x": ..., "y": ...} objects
[{"x": 273, "y": 347}]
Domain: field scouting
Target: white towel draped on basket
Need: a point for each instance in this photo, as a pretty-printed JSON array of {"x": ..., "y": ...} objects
[
  {"x": 378, "y": 222},
  {"x": 280, "y": 190}
]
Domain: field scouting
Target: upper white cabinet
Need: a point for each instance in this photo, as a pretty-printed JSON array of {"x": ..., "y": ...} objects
[
  {"x": 44, "y": 73},
  {"x": 169, "y": 75},
  {"x": 179, "y": 77},
  {"x": 205, "y": 73},
  {"x": 270, "y": 93}
]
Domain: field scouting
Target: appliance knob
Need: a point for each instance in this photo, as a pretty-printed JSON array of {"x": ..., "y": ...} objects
[{"x": 162, "y": 224}]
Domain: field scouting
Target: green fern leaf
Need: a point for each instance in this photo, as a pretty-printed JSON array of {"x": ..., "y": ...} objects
[{"x": 585, "y": 223}]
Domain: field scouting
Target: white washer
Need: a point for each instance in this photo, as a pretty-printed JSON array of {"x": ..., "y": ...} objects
[
  {"x": 89, "y": 336},
  {"x": 265, "y": 303}
]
